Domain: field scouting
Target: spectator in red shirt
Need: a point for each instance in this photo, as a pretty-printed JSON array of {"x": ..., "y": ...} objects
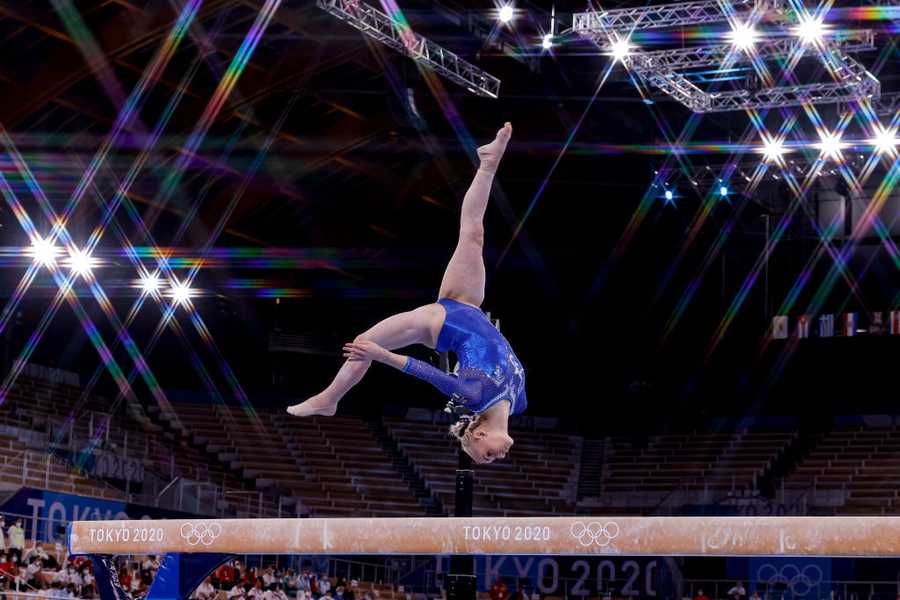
[
  {"x": 225, "y": 577},
  {"x": 700, "y": 595},
  {"x": 499, "y": 591}
]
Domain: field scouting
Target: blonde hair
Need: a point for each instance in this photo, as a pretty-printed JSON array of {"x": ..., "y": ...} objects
[{"x": 463, "y": 425}]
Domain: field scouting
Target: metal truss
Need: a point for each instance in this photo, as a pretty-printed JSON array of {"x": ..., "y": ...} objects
[
  {"x": 379, "y": 26},
  {"x": 662, "y": 16},
  {"x": 713, "y": 56}
]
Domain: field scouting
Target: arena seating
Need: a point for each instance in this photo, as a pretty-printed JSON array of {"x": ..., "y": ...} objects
[
  {"x": 862, "y": 464},
  {"x": 538, "y": 477},
  {"x": 706, "y": 465},
  {"x": 21, "y": 466}
]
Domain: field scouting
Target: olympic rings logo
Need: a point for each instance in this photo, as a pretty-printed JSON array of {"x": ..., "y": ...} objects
[
  {"x": 201, "y": 533},
  {"x": 799, "y": 581},
  {"x": 595, "y": 533}
]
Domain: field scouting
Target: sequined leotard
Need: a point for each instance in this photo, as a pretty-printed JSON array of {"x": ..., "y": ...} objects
[{"x": 489, "y": 371}]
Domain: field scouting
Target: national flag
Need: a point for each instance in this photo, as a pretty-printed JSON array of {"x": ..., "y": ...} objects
[
  {"x": 826, "y": 326},
  {"x": 876, "y": 324},
  {"x": 849, "y": 324},
  {"x": 803, "y": 326},
  {"x": 779, "y": 328}
]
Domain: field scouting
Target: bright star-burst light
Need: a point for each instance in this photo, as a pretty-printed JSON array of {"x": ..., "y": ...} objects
[
  {"x": 830, "y": 146},
  {"x": 773, "y": 150},
  {"x": 547, "y": 41},
  {"x": 43, "y": 252},
  {"x": 885, "y": 140},
  {"x": 151, "y": 284},
  {"x": 620, "y": 49},
  {"x": 743, "y": 36},
  {"x": 810, "y": 29},
  {"x": 80, "y": 262},
  {"x": 723, "y": 190},
  {"x": 181, "y": 292},
  {"x": 506, "y": 13}
]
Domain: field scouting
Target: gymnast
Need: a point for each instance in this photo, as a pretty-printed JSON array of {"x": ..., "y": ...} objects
[{"x": 490, "y": 383}]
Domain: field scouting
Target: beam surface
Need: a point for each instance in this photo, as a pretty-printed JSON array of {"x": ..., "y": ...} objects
[{"x": 585, "y": 535}]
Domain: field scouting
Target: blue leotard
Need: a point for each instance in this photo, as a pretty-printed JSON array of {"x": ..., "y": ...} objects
[{"x": 489, "y": 371}]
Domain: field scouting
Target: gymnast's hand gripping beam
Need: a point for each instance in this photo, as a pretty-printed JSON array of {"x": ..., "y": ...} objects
[{"x": 584, "y": 535}]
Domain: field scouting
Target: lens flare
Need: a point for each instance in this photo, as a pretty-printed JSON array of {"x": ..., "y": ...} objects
[
  {"x": 181, "y": 292},
  {"x": 506, "y": 13},
  {"x": 547, "y": 41},
  {"x": 81, "y": 262},
  {"x": 885, "y": 140},
  {"x": 620, "y": 49},
  {"x": 810, "y": 30},
  {"x": 773, "y": 150},
  {"x": 151, "y": 284},
  {"x": 43, "y": 252},
  {"x": 743, "y": 36},
  {"x": 831, "y": 146}
]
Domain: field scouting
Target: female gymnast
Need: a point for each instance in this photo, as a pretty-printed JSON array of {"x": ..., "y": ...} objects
[{"x": 490, "y": 384}]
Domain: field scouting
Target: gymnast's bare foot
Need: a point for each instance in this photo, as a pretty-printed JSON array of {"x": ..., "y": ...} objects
[
  {"x": 320, "y": 404},
  {"x": 490, "y": 154}
]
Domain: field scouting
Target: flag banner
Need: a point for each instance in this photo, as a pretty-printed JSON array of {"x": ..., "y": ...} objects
[
  {"x": 803, "y": 326},
  {"x": 849, "y": 324},
  {"x": 826, "y": 326},
  {"x": 876, "y": 323},
  {"x": 779, "y": 328}
]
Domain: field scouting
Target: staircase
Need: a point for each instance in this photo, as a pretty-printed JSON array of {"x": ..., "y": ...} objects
[
  {"x": 405, "y": 468},
  {"x": 593, "y": 455}
]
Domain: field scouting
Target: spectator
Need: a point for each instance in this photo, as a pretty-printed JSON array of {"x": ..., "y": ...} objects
[
  {"x": 258, "y": 590},
  {"x": 350, "y": 591},
  {"x": 88, "y": 589},
  {"x": 2, "y": 534},
  {"x": 499, "y": 591},
  {"x": 224, "y": 577},
  {"x": 737, "y": 592},
  {"x": 205, "y": 591},
  {"x": 7, "y": 569},
  {"x": 755, "y": 596},
  {"x": 32, "y": 572},
  {"x": 324, "y": 584},
  {"x": 339, "y": 593},
  {"x": 238, "y": 591},
  {"x": 700, "y": 595},
  {"x": 17, "y": 540},
  {"x": 268, "y": 577}
]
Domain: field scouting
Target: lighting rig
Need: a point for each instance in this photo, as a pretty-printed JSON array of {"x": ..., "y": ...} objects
[
  {"x": 669, "y": 70},
  {"x": 387, "y": 30}
]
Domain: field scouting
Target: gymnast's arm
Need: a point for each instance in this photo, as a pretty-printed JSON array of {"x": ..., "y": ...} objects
[{"x": 368, "y": 350}]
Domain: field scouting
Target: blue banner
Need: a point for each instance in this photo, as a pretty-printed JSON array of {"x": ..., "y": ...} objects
[{"x": 46, "y": 514}]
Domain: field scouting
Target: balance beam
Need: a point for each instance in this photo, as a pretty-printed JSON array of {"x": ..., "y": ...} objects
[{"x": 631, "y": 536}]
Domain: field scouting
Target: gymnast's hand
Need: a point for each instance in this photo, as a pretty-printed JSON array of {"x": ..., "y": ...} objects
[{"x": 364, "y": 350}]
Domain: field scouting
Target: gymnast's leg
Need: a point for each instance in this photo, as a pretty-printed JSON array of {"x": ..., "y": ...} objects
[
  {"x": 419, "y": 326},
  {"x": 465, "y": 276}
]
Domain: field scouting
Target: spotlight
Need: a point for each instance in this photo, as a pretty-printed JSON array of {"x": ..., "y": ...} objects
[
  {"x": 43, "y": 252},
  {"x": 723, "y": 191},
  {"x": 181, "y": 292},
  {"x": 80, "y": 262},
  {"x": 669, "y": 195},
  {"x": 831, "y": 146},
  {"x": 547, "y": 41},
  {"x": 620, "y": 49},
  {"x": 810, "y": 30},
  {"x": 506, "y": 13},
  {"x": 150, "y": 284},
  {"x": 773, "y": 150},
  {"x": 743, "y": 36},
  {"x": 885, "y": 139}
]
